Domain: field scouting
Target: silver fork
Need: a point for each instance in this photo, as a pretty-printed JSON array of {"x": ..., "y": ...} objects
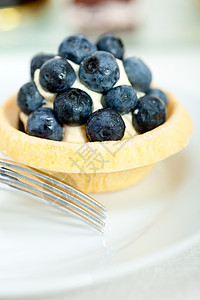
[{"x": 53, "y": 192}]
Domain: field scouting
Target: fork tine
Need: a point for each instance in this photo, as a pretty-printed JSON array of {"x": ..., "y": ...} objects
[
  {"x": 52, "y": 200},
  {"x": 70, "y": 197},
  {"x": 54, "y": 181}
]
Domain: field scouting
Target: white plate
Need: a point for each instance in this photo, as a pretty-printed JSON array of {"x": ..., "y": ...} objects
[{"x": 42, "y": 251}]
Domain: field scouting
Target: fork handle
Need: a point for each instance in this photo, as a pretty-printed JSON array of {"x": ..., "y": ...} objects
[
  {"x": 8, "y": 183},
  {"x": 43, "y": 197}
]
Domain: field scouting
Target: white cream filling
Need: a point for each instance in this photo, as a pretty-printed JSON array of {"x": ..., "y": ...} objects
[
  {"x": 77, "y": 134},
  {"x": 49, "y": 97}
]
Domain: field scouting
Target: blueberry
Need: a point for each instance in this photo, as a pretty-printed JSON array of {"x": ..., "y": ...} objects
[
  {"x": 28, "y": 98},
  {"x": 73, "y": 107},
  {"x": 37, "y": 61},
  {"x": 149, "y": 113},
  {"x": 111, "y": 43},
  {"x": 56, "y": 75},
  {"x": 99, "y": 71},
  {"x": 158, "y": 93},
  {"x": 76, "y": 47},
  {"x": 122, "y": 99},
  {"x": 105, "y": 124},
  {"x": 138, "y": 73},
  {"x": 43, "y": 123}
]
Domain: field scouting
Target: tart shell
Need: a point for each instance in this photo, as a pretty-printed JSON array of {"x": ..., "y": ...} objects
[{"x": 96, "y": 166}]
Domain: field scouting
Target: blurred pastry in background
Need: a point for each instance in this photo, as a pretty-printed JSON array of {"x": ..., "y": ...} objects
[{"x": 109, "y": 15}]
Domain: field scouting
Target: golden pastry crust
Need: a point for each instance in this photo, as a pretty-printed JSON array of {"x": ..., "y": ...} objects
[{"x": 98, "y": 162}]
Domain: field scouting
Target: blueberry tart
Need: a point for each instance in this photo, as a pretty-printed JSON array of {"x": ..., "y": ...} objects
[{"x": 91, "y": 117}]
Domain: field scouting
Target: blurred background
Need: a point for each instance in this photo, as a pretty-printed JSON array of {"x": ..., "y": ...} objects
[{"x": 153, "y": 25}]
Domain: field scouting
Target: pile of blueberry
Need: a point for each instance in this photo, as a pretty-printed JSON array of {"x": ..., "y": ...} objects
[{"x": 99, "y": 72}]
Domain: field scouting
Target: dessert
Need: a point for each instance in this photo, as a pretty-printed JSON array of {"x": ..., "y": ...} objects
[
  {"x": 109, "y": 15},
  {"x": 91, "y": 119}
]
